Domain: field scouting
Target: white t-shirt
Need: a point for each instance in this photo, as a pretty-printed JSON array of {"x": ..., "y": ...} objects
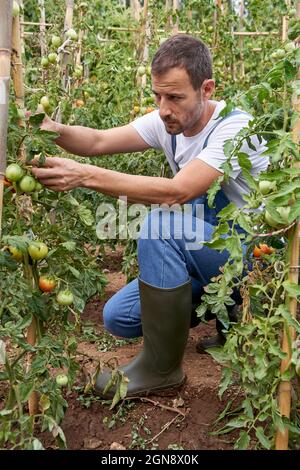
[{"x": 152, "y": 130}]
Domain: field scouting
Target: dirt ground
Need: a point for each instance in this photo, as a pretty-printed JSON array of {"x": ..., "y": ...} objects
[{"x": 184, "y": 421}]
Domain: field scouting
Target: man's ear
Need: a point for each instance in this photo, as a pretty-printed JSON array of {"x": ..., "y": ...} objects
[{"x": 207, "y": 88}]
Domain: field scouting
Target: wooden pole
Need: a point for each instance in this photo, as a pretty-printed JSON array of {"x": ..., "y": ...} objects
[
  {"x": 42, "y": 36},
  {"x": 285, "y": 388},
  {"x": 175, "y": 26},
  {"x": 5, "y": 57},
  {"x": 136, "y": 9},
  {"x": 17, "y": 75},
  {"x": 241, "y": 40},
  {"x": 285, "y": 23},
  {"x": 65, "y": 55}
]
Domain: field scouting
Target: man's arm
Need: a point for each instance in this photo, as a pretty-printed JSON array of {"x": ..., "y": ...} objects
[
  {"x": 89, "y": 142},
  {"x": 61, "y": 174}
]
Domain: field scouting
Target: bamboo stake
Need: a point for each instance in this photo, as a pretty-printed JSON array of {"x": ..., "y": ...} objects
[
  {"x": 33, "y": 402},
  {"x": 34, "y": 23},
  {"x": 42, "y": 35},
  {"x": 144, "y": 48},
  {"x": 285, "y": 23},
  {"x": 285, "y": 388},
  {"x": 21, "y": 3},
  {"x": 175, "y": 26},
  {"x": 17, "y": 75},
  {"x": 136, "y": 9},
  {"x": 65, "y": 55},
  {"x": 241, "y": 40},
  {"x": 5, "y": 54}
]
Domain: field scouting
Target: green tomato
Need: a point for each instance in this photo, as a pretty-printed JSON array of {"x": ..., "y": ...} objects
[
  {"x": 61, "y": 380},
  {"x": 14, "y": 172},
  {"x": 65, "y": 297},
  {"x": 292, "y": 12},
  {"x": 71, "y": 34},
  {"x": 280, "y": 53},
  {"x": 141, "y": 70},
  {"x": 266, "y": 187},
  {"x": 78, "y": 71},
  {"x": 27, "y": 184},
  {"x": 270, "y": 220},
  {"x": 45, "y": 102},
  {"x": 56, "y": 41},
  {"x": 38, "y": 186},
  {"x": 52, "y": 57},
  {"x": 15, "y": 253},
  {"x": 290, "y": 47},
  {"x": 210, "y": 29},
  {"x": 284, "y": 213},
  {"x": 44, "y": 62},
  {"x": 38, "y": 250}
]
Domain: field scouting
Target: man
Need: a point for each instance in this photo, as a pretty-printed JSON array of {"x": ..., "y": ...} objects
[{"x": 159, "y": 303}]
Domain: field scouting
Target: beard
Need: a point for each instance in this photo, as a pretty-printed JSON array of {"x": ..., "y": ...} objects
[{"x": 173, "y": 127}]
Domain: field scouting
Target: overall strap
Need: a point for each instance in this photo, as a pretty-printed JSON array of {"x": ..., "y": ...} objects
[
  {"x": 174, "y": 144},
  {"x": 232, "y": 113}
]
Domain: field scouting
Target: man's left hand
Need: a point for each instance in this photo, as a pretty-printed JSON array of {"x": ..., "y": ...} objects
[{"x": 59, "y": 174}]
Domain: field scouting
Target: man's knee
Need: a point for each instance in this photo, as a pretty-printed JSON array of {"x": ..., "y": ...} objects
[{"x": 109, "y": 318}]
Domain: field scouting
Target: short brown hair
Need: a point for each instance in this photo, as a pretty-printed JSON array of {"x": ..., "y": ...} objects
[{"x": 184, "y": 51}]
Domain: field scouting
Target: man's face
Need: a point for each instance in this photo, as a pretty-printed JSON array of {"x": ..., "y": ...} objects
[{"x": 180, "y": 106}]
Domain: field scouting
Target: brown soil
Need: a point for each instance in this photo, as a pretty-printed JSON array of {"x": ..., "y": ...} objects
[{"x": 137, "y": 423}]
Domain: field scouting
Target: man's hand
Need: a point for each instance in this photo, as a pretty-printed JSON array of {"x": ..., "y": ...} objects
[
  {"x": 59, "y": 174},
  {"x": 48, "y": 124}
]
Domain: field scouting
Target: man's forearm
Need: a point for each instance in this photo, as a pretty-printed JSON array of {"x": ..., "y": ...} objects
[
  {"x": 142, "y": 189},
  {"x": 76, "y": 139}
]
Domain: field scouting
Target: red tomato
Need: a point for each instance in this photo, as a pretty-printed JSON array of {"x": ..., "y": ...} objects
[
  {"x": 266, "y": 249},
  {"x": 256, "y": 252},
  {"x": 47, "y": 284}
]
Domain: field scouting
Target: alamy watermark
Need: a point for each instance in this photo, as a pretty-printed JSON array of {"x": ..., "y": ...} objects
[{"x": 138, "y": 221}]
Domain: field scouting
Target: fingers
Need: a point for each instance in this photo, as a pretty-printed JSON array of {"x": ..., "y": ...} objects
[
  {"x": 43, "y": 174},
  {"x": 49, "y": 162}
]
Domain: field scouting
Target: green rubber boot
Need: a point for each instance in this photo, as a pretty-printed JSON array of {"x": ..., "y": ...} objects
[{"x": 165, "y": 316}]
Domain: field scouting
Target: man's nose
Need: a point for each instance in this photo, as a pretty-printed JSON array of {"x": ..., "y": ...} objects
[{"x": 164, "y": 109}]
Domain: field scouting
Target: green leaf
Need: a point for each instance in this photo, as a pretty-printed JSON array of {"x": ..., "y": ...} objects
[
  {"x": 244, "y": 161},
  {"x": 37, "y": 445},
  {"x": 243, "y": 441},
  {"x": 37, "y": 119},
  {"x": 74, "y": 271},
  {"x": 218, "y": 354},
  {"x": 219, "y": 244},
  {"x": 69, "y": 246},
  {"x": 262, "y": 438},
  {"x": 44, "y": 402},
  {"x": 292, "y": 288},
  {"x": 228, "y": 211},
  {"x": 86, "y": 215}
]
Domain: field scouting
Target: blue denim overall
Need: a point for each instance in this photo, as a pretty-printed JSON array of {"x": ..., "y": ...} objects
[{"x": 164, "y": 259}]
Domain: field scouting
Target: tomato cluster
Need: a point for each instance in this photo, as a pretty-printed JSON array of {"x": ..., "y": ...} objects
[
  {"x": 16, "y": 176},
  {"x": 262, "y": 249}
]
